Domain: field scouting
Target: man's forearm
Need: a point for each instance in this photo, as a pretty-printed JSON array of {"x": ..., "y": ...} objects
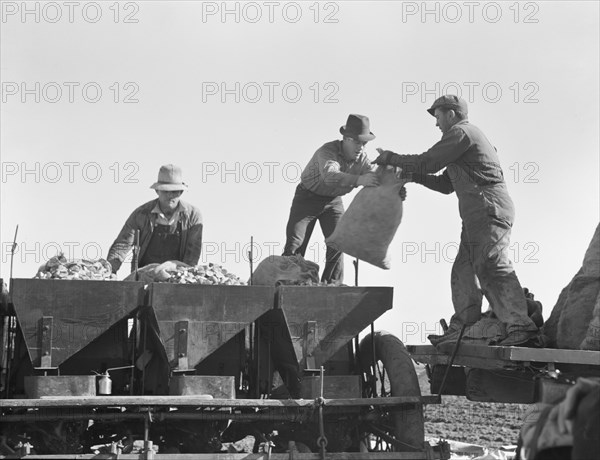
[
  {"x": 117, "y": 254},
  {"x": 452, "y": 145},
  {"x": 438, "y": 183},
  {"x": 121, "y": 247}
]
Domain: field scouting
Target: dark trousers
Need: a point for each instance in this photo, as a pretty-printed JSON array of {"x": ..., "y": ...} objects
[
  {"x": 482, "y": 265},
  {"x": 307, "y": 208}
]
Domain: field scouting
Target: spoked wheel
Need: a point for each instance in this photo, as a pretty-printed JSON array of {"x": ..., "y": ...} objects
[{"x": 390, "y": 429}]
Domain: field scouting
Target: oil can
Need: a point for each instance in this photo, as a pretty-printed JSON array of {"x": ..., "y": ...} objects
[{"x": 104, "y": 384}]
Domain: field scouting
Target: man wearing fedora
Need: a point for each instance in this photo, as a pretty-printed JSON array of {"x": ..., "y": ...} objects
[
  {"x": 335, "y": 169},
  {"x": 472, "y": 170},
  {"x": 170, "y": 229}
]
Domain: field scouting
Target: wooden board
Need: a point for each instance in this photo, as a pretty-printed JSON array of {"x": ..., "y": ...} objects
[
  {"x": 501, "y": 386},
  {"x": 551, "y": 355},
  {"x": 494, "y": 357},
  {"x": 217, "y": 386},
  {"x": 214, "y": 315},
  {"x": 334, "y": 386},
  {"x": 203, "y": 401},
  {"x": 247, "y": 456},
  {"x": 322, "y": 319},
  {"x": 81, "y": 311},
  {"x": 60, "y": 385}
]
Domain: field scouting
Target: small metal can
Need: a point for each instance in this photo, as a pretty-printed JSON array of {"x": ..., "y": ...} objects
[{"x": 104, "y": 384}]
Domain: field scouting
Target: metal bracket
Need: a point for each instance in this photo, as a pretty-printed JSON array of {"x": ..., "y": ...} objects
[
  {"x": 181, "y": 345},
  {"x": 310, "y": 339},
  {"x": 46, "y": 324}
]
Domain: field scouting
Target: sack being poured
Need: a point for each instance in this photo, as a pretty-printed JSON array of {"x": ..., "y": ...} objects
[{"x": 367, "y": 228}]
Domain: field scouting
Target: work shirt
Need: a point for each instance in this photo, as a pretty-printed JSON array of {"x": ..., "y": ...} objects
[
  {"x": 161, "y": 219},
  {"x": 465, "y": 149},
  {"x": 328, "y": 173},
  {"x": 472, "y": 170},
  {"x": 144, "y": 220}
]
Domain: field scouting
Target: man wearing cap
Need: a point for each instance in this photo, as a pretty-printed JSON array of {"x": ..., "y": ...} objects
[
  {"x": 472, "y": 170},
  {"x": 335, "y": 169},
  {"x": 170, "y": 229}
]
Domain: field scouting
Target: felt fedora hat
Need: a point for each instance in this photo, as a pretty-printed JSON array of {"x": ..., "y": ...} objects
[
  {"x": 358, "y": 127},
  {"x": 169, "y": 179}
]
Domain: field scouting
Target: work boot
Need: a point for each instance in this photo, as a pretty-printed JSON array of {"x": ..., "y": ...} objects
[
  {"x": 451, "y": 334},
  {"x": 529, "y": 339}
]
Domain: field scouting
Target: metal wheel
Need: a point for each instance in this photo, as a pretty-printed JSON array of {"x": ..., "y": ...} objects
[{"x": 390, "y": 430}]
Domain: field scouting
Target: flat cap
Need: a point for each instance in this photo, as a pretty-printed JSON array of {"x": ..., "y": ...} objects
[{"x": 449, "y": 101}]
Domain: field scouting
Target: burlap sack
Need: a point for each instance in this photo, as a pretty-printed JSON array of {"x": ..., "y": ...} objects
[
  {"x": 577, "y": 313},
  {"x": 156, "y": 273},
  {"x": 573, "y": 323},
  {"x": 368, "y": 226},
  {"x": 283, "y": 269},
  {"x": 592, "y": 337}
]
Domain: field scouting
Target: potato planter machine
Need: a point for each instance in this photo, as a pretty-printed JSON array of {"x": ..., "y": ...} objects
[{"x": 115, "y": 369}]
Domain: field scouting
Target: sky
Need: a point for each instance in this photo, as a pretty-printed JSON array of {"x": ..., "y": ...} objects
[{"x": 96, "y": 96}]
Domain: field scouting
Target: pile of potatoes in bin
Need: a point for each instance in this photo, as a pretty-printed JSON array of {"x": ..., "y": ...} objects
[{"x": 59, "y": 268}]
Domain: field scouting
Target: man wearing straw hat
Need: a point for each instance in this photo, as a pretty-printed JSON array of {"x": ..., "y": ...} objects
[{"x": 169, "y": 228}]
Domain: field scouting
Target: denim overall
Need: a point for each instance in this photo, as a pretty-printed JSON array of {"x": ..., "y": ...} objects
[{"x": 482, "y": 265}]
